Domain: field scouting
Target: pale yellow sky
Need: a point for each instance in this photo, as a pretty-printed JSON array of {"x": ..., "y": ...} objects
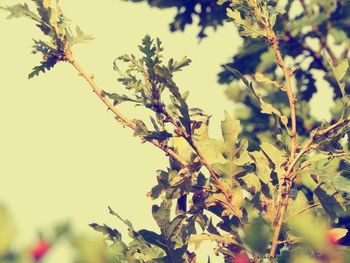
[{"x": 62, "y": 155}]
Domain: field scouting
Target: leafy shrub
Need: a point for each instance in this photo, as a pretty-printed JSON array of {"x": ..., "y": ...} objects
[{"x": 275, "y": 188}]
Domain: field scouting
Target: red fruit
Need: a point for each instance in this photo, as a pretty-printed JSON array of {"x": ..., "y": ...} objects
[
  {"x": 40, "y": 249},
  {"x": 241, "y": 258},
  {"x": 335, "y": 234}
]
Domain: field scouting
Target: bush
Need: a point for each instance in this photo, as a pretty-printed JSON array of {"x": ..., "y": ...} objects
[{"x": 275, "y": 188}]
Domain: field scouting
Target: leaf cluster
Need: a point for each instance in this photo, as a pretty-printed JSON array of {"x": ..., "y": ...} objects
[{"x": 59, "y": 37}]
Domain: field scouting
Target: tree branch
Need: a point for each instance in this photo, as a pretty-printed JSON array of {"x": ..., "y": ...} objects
[
  {"x": 131, "y": 124},
  {"x": 290, "y": 176},
  {"x": 284, "y": 184},
  {"x": 274, "y": 42},
  {"x": 201, "y": 157},
  {"x": 118, "y": 115}
]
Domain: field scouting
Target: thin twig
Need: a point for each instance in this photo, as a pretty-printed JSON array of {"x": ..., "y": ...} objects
[
  {"x": 118, "y": 115},
  {"x": 291, "y": 176},
  {"x": 314, "y": 137},
  {"x": 129, "y": 123},
  {"x": 274, "y": 42},
  {"x": 201, "y": 157},
  {"x": 284, "y": 186}
]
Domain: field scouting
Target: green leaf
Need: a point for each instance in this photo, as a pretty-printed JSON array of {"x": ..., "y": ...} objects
[
  {"x": 252, "y": 182},
  {"x": 80, "y": 37},
  {"x": 138, "y": 247},
  {"x": 260, "y": 77},
  {"x": 229, "y": 208},
  {"x": 258, "y": 236},
  {"x": 112, "y": 234},
  {"x": 247, "y": 26},
  {"x": 21, "y": 10},
  {"x": 328, "y": 199},
  {"x": 159, "y": 136},
  {"x": 339, "y": 71},
  {"x": 173, "y": 231},
  {"x": 147, "y": 46},
  {"x": 175, "y": 66},
  {"x": 43, "y": 67},
  {"x": 118, "y": 99},
  {"x": 298, "y": 209},
  {"x": 50, "y": 20},
  {"x": 262, "y": 166},
  {"x": 140, "y": 129},
  {"x": 341, "y": 183},
  {"x": 240, "y": 76},
  {"x": 230, "y": 130},
  {"x": 304, "y": 223},
  {"x": 162, "y": 215},
  {"x": 277, "y": 156}
]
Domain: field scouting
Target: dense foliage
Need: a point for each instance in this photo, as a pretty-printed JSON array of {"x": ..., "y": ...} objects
[
  {"x": 276, "y": 192},
  {"x": 305, "y": 29}
]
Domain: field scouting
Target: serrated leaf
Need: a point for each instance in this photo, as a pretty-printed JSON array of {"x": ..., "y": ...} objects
[
  {"x": 162, "y": 215},
  {"x": 113, "y": 234},
  {"x": 230, "y": 130},
  {"x": 252, "y": 182},
  {"x": 43, "y": 67},
  {"x": 50, "y": 20},
  {"x": 262, "y": 166},
  {"x": 328, "y": 199},
  {"x": 21, "y": 10},
  {"x": 247, "y": 26},
  {"x": 260, "y": 77},
  {"x": 277, "y": 156},
  {"x": 258, "y": 236},
  {"x": 303, "y": 223},
  {"x": 140, "y": 129},
  {"x": 229, "y": 208},
  {"x": 175, "y": 66},
  {"x": 159, "y": 136},
  {"x": 118, "y": 99},
  {"x": 79, "y": 37}
]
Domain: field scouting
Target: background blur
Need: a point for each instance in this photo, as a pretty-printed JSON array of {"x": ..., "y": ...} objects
[{"x": 63, "y": 157}]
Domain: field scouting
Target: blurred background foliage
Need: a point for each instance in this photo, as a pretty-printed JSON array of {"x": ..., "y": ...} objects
[{"x": 83, "y": 248}]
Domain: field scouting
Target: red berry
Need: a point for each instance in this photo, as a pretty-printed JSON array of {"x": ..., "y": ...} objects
[
  {"x": 241, "y": 258},
  {"x": 40, "y": 249},
  {"x": 334, "y": 235}
]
